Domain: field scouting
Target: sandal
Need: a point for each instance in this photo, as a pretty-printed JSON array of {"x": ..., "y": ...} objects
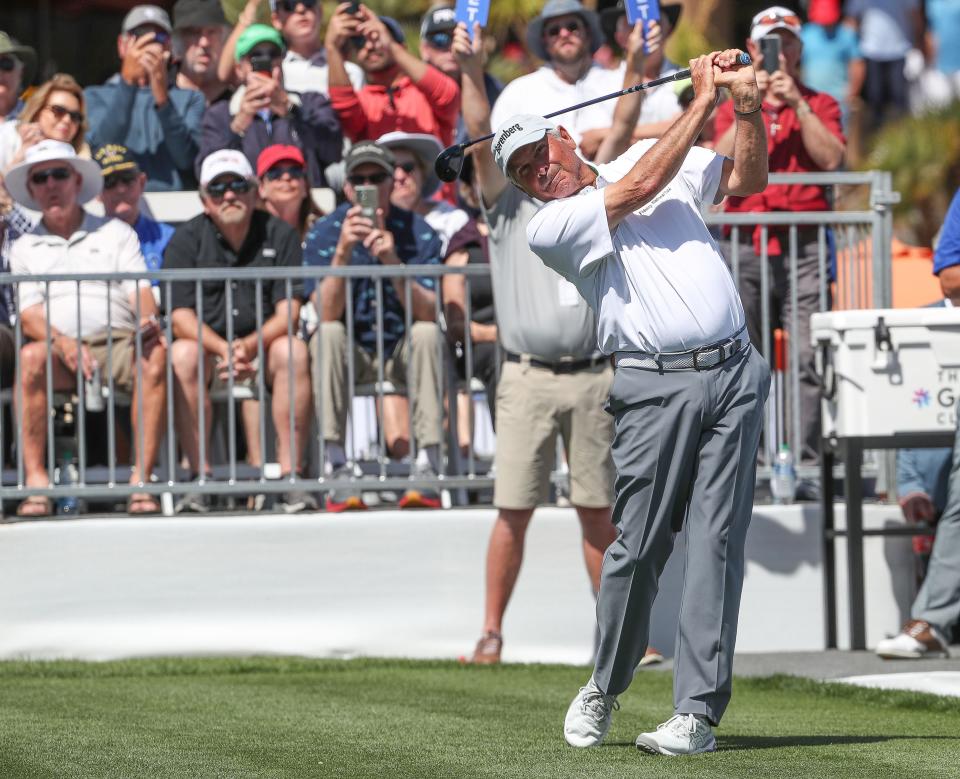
[
  {"x": 35, "y": 506},
  {"x": 141, "y": 503}
]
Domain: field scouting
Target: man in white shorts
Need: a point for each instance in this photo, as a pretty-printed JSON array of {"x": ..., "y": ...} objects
[{"x": 688, "y": 391}]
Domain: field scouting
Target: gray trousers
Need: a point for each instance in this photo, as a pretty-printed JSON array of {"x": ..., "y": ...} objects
[
  {"x": 938, "y": 601},
  {"x": 685, "y": 450}
]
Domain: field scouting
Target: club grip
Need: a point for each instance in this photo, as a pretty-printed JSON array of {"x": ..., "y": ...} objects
[{"x": 744, "y": 58}]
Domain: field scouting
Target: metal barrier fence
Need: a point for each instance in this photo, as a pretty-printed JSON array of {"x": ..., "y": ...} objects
[{"x": 856, "y": 242}]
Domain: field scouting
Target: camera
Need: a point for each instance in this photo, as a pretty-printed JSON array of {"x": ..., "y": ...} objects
[
  {"x": 357, "y": 41},
  {"x": 262, "y": 63}
]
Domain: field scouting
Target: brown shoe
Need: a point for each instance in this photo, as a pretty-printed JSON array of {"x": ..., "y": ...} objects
[
  {"x": 916, "y": 639},
  {"x": 488, "y": 649}
]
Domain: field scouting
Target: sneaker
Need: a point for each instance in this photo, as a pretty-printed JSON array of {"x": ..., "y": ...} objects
[
  {"x": 487, "y": 651},
  {"x": 682, "y": 734},
  {"x": 295, "y": 501},
  {"x": 193, "y": 503},
  {"x": 915, "y": 640},
  {"x": 345, "y": 498},
  {"x": 651, "y": 657},
  {"x": 589, "y": 716},
  {"x": 421, "y": 497}
]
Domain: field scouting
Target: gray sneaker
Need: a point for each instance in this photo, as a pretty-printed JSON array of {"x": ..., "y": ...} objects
[
  {"x": 193, "y": 503},
  {"x": 682, "y": 734},
  {"x": 295, "y": 501},
  {"x": 589, "y": 716},
  {"x": 349, "y": 498}
]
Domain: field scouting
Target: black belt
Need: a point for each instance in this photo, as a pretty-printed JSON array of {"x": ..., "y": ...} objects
[{"x": 561, "y": 366}]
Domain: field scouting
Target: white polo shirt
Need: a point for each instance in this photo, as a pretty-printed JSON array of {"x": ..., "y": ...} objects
[
  {"x": 658, "y": 283},
  {"x": 100, "y": 245}
]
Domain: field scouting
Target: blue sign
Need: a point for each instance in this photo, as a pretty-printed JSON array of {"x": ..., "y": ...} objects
[
  {"x": 642, "y": 11},
  {"x": 470, "y": 11}
]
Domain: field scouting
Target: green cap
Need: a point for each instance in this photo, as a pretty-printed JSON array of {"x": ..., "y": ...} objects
[{"x": 254, "y": 34}]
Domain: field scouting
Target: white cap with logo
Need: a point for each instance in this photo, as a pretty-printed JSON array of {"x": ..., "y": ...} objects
[
  {"x": 776, "y": 17},
  {"x": 517, "y": 131},
  {"x": 224, "y": 161}
]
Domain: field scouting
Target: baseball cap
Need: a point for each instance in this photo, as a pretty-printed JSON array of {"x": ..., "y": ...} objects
[
  {"x": 112, "y": 158},
  {"x": 776, "y": 17},
  {"x": 824, "y": 12},
  {"x": 256, "y": 34},
  {"x": 146, "y": 14},
  {"x": 278, "y": 152},
  {"x": 197, "y": 13},
  {"x": 439, "y": 18},
  {"x": 517, "y": 131},
  {"x": 224, "y": 161},
  {"x": 369, "y": 152},
  {"x": 396, "y": 31}
]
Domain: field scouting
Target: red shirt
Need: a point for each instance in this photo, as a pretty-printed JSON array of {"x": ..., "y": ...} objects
[
  {"x": 430, "y": 105},
  {"x": 787, "y": 155}
]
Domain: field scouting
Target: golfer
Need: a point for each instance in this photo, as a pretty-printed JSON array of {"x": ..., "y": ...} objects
[{"x": 688, "y": 389}]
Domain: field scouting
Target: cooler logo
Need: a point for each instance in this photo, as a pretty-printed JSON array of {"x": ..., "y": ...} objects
[{"x": 921, "y": 398}]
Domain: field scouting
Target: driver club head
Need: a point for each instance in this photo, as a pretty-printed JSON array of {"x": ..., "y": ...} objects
[{"x": 449, "y": 163}]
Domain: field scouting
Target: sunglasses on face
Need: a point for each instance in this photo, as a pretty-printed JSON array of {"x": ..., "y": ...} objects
[
  {"x": 8, "y": 64},
  {"x": 407, "y": 167},
  {"x": 59, "y": 113},
  {"x": 293, "y": 171},
  {"x": 219, "y": 188},
  {"x": 159, "y": 36},
  {"x": 440, "y": 40},
  {"x": 111, "y": 180},
  {"x": 291, "y": 5},
  {"x": 374, "y": 178},
  {"x": 573, "y": 27},
  {"x": 775, "y": 18},
  {"x": 57, "y": 174}
]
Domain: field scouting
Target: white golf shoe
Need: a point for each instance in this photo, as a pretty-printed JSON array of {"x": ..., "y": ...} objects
[
  {"x": 588, "y": 718},
  {"x": 915, "y": 640},
  {"x": 682, "y": 734}
]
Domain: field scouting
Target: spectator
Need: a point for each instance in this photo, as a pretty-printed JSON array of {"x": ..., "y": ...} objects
[
  {"x": 565, "y": 35},
  {"x": 283, "y": 187},
  {"x": 56, "y": 110},
  {"x": 660, "y": 106},
  {"x": 832, "y": 62},
  {"x": 16, "y": 67},
  {"x": 888, "y": 29},
  {"x": 804, "y": 135},
  {"x": 199, "y": 30},
  {"x": 262, "y": 112},
  {"x": 401, "y": 93},
  {"x": 232, "y": 233},
  {"x": 158, "y": 123},
  {"x": 123, "y": 186},
  {"x": 554, "y": 380},
  {"x": 394, "y": 237},
  {"x": 415, "y": 183},
  {"x": 943, "y": 17},
  {"x": 92, "y": 326},
  {"x": 436, "y": 40}
]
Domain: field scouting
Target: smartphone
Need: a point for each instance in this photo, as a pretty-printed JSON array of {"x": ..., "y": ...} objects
[
  {"x": 262, "y": 63},
  {"x": 369, "y": 200},
  {"x": 770, "y": 51},
  {"x": 357, "y": 41}
]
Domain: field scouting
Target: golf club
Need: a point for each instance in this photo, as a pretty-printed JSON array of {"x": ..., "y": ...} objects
[{"x": 450, "y": 161}]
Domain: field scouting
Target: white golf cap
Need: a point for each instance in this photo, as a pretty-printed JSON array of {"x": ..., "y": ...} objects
[
  {"x": 776, "y": 17},
  {"x": 517, "y": 131},
  {"x": 53, "y": 151},
  {"x": 225, "y": 161}
]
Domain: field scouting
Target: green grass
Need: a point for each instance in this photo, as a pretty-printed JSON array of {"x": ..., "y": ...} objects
[{"x": 304, "y": 718}]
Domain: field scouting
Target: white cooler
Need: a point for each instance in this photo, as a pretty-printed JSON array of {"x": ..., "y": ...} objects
[{"x": 888, "y": 371}]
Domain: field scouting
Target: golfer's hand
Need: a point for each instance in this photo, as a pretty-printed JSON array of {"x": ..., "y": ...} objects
[
  {"x": 702, "y": 76},
  {"x": 468, "y": 52},
  {"x": 917, "y": 507},
  {"x": 728, "y": 72}
]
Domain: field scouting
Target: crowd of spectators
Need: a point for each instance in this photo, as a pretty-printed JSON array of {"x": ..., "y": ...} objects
[{"x": 255, "y": 116}]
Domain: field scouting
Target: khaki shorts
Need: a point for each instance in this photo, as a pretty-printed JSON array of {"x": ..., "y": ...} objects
[
  {"x": 121, "y": 357},
  {"x": 533, "y": 406}
]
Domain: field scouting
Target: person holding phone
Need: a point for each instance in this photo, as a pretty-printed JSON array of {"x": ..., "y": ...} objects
[
  {"x": 262, "y": 112},
  {"x": 393, "y": 237},
  {"x": 804, "y": 134},
  {"x": 141, "y": 109}
]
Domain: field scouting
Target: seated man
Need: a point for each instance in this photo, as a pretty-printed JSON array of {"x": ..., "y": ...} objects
[
  {"x": 123, "y": 186},
  {"x": 262, "y": 112},
  {"x": 231, "y": 234},
  {"x": 392, "y": 237},
  {"x": 54, "y": 181}
]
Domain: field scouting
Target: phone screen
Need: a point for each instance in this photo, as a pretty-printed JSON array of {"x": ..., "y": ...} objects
[
  {"x": 368, "y": 199},
  {"x": 770, "y": 50}
]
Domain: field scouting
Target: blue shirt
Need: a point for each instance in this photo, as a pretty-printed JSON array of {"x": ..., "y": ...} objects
[
  {"x": 826, "y": 55},
  {"x": 948, "y": 247},
  {"x": 154, "y": 237},
  {"x": 886, "y": 27},
  {"x": 416, "y": 244},
  {"x": 944, "y": 19}
]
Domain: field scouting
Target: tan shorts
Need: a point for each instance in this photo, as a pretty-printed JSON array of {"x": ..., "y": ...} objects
[
  {"x": 121, "y": 358},
  {"x": 533, "y": 406}
]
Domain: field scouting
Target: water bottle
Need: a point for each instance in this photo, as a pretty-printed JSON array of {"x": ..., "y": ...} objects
[
  {"x": 68, "y": 505},
  {"x": 783, "y": 482},
  {"x": 93, "y": 394}
]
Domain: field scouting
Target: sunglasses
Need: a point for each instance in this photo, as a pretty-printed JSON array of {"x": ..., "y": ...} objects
[
  {"x": 238, "y": 186},
  {"x": 112, "y": 179},
  {"x": 159, "y": 36},
  {"x": 291, "y": 5},
  {"x": 293, "y": 171},
  {"x": 59, "y": 112},
  {"x": 440, "y": 40},
  {"x": 407, "y": 167},
  {"x": 8, "y": 64},
  {"x": 775, "y": 18},
  {"x": 57, "y": 174},
  {"x": 574, "y": 27},
  {"x": 374, "y": 178}
]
